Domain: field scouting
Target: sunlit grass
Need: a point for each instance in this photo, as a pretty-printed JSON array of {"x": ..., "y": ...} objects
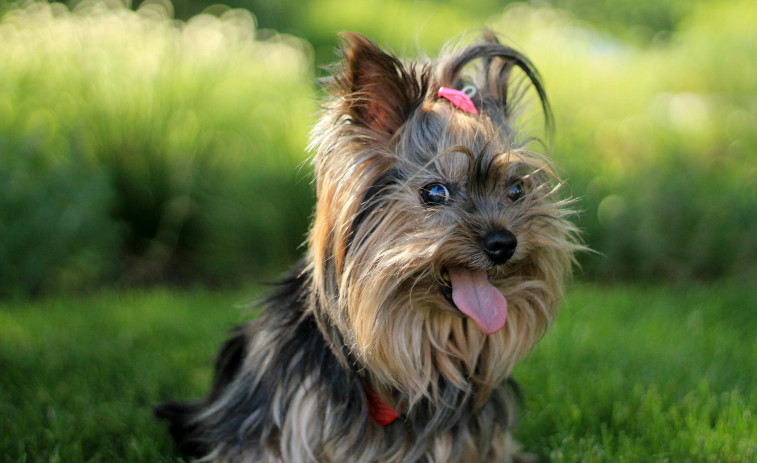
[
  {"x": 80, "y": 375},
  {"x": 638, "y": 373},
  {"x": 646, "y": 373}
]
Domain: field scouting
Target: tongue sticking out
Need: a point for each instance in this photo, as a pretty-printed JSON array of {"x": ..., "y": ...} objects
[{"x": 478, "y": 299}]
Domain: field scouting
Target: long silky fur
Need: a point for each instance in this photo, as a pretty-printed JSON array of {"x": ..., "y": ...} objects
[{"x": 364, "y": 309}]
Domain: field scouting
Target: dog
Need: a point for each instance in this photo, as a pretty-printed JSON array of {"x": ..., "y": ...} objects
[{"x": 437, "y": 258}]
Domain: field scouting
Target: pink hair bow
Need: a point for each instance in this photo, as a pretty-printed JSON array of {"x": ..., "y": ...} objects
[{"x": 458, "y": 98}]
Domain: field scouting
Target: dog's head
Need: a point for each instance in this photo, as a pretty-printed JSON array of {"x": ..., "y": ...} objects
[{"x": 440, "y": 243}]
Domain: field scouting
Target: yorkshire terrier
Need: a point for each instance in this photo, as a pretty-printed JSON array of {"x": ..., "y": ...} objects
[{"x": 437, "y": 258}]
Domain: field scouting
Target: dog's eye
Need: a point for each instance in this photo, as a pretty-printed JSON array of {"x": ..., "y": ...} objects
[
  {"x": 515, "y": 192},
  {"x": 434, "y": 194}
]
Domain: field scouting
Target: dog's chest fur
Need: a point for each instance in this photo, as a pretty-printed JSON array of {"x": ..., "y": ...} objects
[{"x": 277, "y": 379}]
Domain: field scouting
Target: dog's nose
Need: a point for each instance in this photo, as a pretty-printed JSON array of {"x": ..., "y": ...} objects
[{"x": 499, "y": 245}]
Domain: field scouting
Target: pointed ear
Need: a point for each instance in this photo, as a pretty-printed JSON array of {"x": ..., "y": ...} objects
[{"x": 378, "y": 90}]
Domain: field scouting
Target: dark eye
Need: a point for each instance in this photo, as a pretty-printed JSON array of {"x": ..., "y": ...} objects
[
  {"x": 434, "y": 194},
  {"x": 515, "y": 192}
]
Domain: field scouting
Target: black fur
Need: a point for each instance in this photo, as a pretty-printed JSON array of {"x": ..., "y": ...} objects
[{"x": 296, "y": 333}]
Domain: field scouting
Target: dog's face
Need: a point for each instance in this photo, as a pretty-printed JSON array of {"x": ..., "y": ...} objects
[{"x": 440, "y": 244}]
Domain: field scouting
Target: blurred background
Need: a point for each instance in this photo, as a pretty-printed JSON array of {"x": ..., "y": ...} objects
[{"x": 160, "y": 143}]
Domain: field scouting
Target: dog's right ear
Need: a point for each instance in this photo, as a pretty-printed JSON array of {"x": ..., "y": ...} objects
[{"x": 377, "y": 90}]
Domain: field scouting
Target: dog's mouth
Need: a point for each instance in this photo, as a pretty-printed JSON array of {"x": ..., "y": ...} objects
[{"x": 470, "y": 292}]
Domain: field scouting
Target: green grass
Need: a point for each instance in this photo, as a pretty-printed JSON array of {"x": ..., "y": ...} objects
[
  {"x": 80, "y": 374},
  {"x": 646, "y": 373},
  {"x": 628, "y": 373}
]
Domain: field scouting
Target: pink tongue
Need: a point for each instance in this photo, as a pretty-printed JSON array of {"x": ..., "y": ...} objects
[{"x": 478, "y": 299}]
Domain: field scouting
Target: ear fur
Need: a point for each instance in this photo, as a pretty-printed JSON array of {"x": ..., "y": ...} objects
[{"x": 378, "y": 91}]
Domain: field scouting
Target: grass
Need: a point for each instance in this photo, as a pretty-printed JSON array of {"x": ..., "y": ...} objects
[
  {"x": 628, "y": 373},
  {"x": 80, "y": 374},
  {"x": 637, "y": 373}
]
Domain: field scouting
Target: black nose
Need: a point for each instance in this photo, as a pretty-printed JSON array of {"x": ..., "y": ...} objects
[{"x": 499, "y": 245}]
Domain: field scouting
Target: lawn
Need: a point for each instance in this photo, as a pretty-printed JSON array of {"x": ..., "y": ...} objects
[{"x": 628, "y": 373}]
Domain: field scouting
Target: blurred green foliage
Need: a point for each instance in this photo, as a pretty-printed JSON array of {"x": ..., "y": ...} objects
[
  {"x": 142, "y": 149},
  {"x": 138, "y": 150},
  {"x": 660, "y": 142},
  {"x": 405, "y": 24}
]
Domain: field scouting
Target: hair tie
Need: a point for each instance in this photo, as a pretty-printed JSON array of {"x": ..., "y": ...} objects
[{"x": 458, "y": 98}]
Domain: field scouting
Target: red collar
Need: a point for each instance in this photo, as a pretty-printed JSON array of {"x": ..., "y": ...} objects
[{"x": 379, "y": 410}]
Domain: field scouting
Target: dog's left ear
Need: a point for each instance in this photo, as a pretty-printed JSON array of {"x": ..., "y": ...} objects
[{"x": 377, "y": 89}]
